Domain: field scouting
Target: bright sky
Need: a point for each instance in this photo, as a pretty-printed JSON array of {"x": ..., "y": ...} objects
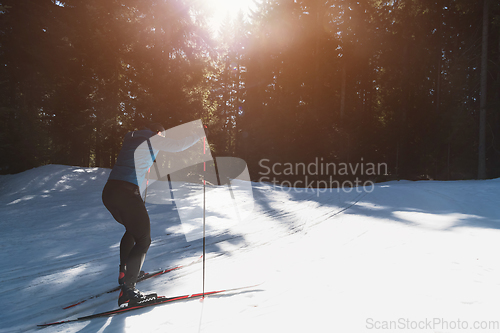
[{"x": 222, "y": 9}]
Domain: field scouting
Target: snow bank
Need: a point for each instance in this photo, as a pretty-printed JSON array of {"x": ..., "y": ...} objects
[{"x": 410, "y": 256}]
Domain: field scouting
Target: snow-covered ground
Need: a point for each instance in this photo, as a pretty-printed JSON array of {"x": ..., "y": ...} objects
[{"x": 410, "y": 256}]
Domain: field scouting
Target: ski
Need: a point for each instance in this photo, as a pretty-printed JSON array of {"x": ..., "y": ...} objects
[
  {"x": 146, "y": 276},
  {"x": 160, "y": 300}
]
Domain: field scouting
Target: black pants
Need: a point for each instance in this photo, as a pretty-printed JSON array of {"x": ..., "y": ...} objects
[{"x": 124, "y": 202}]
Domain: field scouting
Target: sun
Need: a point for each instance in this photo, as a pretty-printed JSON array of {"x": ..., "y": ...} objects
[{"x": 220, "y": 10}]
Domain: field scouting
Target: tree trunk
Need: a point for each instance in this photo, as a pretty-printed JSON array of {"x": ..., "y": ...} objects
[
  {"x": 481, "y": 174},
  {"x": 342, "y": 93}
]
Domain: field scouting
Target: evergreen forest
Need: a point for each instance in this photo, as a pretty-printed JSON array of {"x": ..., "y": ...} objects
[{"x": 414, "y": 84}]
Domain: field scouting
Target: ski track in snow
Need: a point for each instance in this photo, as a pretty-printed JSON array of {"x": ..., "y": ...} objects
[{"x": 408, "y": 253}]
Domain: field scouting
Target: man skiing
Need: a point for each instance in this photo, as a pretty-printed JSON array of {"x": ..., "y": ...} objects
[{"x": 121, "y": 196}]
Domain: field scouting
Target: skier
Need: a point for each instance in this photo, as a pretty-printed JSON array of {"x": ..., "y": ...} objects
[{"x": 122, "y": 197}]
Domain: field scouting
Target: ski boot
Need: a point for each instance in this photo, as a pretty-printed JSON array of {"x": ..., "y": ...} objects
[
  {"x": 121, "y": 275},
  {"x": 130, "y": 296}
]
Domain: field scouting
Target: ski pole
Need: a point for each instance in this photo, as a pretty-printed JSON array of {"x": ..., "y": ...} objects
[
  {"x": 147, "y": 184},
  {"x": 204, "y": 241}
]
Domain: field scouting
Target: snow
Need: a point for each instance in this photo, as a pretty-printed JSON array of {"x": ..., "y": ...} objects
[{"x": 409, "y": 256}]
